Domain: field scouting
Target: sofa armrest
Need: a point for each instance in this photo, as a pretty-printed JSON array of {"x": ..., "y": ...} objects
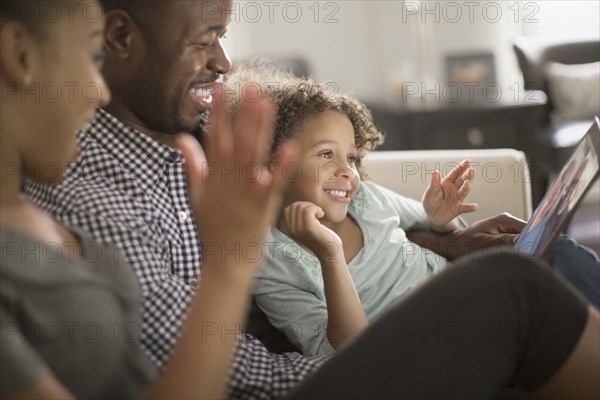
[{"x": 501, "y": 177}]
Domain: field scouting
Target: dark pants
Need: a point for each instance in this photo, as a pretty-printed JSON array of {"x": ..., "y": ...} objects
[
  {"x": 579, "y": 266},
  {"x": 478, "y": 327}
]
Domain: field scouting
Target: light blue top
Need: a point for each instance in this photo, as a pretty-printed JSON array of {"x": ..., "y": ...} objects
[{"x": 289, "y": 287}]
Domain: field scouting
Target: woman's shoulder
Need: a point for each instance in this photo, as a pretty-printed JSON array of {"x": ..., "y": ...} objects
[
  {"x": 28, "y": 262},
  {"x": 59, "y": 303}
]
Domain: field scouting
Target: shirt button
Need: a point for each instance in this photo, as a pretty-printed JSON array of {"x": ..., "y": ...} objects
[
  {"x": 173, "y": 156},
  {"x": 194, "y": 281},
  {"x": 182, "y": 216}
]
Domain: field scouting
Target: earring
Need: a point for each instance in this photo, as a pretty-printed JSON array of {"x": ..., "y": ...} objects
[{"x": 27, "y": 81}]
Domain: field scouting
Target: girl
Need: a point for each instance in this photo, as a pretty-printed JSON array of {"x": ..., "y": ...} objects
[{"x": 340, "y": 255}]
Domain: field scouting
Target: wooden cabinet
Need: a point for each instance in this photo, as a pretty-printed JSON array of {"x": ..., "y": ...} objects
[{"x": 494, "y": 125}]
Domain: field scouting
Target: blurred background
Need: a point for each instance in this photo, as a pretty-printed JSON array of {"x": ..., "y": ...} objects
[{"x": 449, "y": 74}]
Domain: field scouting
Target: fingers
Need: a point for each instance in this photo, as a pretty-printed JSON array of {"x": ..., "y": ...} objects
[
  {"x": 467, "y": 208},
  {"x": 508, "y": 239},
  {"x": 463, "y": 172},
  {"x": 219, "y": 141},
  {"x": 464, "y": 189},
  {"x": 195, "y": 160},
  {"x": 288, "y": 217},
  {"x": 436, "y": 178},
  {"x": 458, "y": 171},
  {"x": 301, "y": 216},
  {"x": 246, "y": 138},
  {"x": 308, "y": 212},
  {"x": 288, "y": 153},
  {"x": 434, "y": 187},
  {"x": 509, "y": 223},
  {"x": 252, "y": 128}
]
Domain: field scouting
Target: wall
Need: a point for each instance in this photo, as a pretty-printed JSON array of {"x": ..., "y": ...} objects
[{"x": 366, "y": 46}]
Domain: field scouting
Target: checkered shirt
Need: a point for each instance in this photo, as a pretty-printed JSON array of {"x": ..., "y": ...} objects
[{"x": 130, "y": 191}]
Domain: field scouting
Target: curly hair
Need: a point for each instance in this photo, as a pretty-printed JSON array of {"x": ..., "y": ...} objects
[{"x": 298, "y": 99}]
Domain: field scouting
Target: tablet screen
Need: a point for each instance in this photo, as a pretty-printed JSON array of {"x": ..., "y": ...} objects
[{"x": 560, "y": 201}]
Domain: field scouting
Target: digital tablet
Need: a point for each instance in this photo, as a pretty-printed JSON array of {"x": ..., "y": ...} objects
[{"x": 562, "y": 198}]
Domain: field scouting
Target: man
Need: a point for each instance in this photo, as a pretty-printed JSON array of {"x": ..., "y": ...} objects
[{"x": 128, "y": 187}]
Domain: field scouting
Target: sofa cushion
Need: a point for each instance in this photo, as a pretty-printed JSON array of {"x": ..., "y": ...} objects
[
  {"x": 575, "y": 91},
  {"x": 502, "y": 177}
]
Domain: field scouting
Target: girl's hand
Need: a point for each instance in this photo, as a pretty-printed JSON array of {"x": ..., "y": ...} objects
[
  {"x": 302, "y": 225},
  {"x": 443, "y": 199},
  {"x": 234, "y": 210},
  {"x": 346, "y": 316}
]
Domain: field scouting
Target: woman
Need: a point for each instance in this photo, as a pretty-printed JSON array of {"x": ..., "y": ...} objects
[
  {"x": 88, "y": 305},
  {"x": 68, "y": 316}
]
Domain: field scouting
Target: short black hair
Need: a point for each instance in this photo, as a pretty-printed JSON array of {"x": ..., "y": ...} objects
[
  {"x": 140, "y": 11},
  {"x": 135, "y": 8},
  {"x": 33, "y": 14}
]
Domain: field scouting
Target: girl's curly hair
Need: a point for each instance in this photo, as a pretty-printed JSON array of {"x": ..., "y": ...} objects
[{"x": 297, "y": 100}]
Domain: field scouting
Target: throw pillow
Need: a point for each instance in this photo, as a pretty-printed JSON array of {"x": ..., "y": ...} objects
[{"x": 574, "y": 89}]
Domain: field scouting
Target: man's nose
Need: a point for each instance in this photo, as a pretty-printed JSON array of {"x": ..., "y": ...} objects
[{"x": 219, "y": 61}]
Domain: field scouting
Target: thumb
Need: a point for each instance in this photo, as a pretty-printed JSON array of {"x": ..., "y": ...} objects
[
  {"x": 434, "y": 184},
  {"x": 508, "y": 239}
]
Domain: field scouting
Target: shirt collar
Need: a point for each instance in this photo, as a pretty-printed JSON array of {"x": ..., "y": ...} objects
[{"x": 141, "y": 155}]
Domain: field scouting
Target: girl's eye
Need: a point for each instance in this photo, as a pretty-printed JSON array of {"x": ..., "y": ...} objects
[
  {"x": 352, "y": 159},
  {"x": 326, "y": 154}
]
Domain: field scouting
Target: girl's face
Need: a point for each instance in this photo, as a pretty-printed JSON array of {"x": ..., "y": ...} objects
[
  {"x": 328, "y": 158},
  {"x": 64, "y": 90}
]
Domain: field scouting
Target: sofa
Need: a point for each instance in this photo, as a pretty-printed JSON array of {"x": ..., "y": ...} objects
[
  {"x": 501, "y": 182},
  {"x": 501, "y": 185}
]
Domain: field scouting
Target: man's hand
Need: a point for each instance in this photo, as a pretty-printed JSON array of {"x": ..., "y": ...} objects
[
  {"x": 501, "y": 230},
  {"x": 232, "y": 211},
  {"x": 302, "y": 224},
  {"x": 443, "y": 199}
]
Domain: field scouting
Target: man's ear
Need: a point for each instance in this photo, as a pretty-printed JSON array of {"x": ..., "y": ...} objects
[
  {"x": 118, "y": 35},
  {"x": 16, "y": 57}
]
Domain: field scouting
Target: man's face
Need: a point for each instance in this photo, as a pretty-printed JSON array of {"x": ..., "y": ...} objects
[{"x": 183, "y": 57}]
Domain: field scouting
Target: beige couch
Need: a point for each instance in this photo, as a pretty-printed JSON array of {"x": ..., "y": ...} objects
[
  {"x": 501, "y": 176},
  {"x": 500, "y": 185}
]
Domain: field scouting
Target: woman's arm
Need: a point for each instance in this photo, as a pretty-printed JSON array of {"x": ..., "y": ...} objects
[
  {"x": 230, "y": 215},
  {"x": 23, "y": 372},
  {"x": 47, "y": 387}
]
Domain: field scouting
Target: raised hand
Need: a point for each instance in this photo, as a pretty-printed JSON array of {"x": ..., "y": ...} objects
[
  {"x": 302, "y": 224},
  {"x": 443, "y": 198},
  {"x": 235, "y": 209}
]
